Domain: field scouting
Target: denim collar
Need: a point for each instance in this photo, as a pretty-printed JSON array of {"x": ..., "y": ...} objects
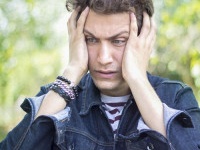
[{"x": 90, "y": 95}]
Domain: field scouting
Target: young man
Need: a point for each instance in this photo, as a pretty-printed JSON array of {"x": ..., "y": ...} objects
[{"x": 117, "y": 105}]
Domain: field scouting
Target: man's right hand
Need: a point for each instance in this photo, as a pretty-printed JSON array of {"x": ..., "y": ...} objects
[
  {"x": 78, "y": 54},
  {"x": 77, "y": 67}
]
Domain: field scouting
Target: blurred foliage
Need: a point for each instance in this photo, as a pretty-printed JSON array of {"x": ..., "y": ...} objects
[
  {"x": 30, "y": 52},
  {"x": 33, "y": 37},
  {"x": 178, "y": 42}
]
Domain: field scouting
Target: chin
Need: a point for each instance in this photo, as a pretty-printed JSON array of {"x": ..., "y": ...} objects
[
  {"x": 105, "y": 85},
  {"x": 100, "y": 84},
  {"x": 110, "y": 88}
]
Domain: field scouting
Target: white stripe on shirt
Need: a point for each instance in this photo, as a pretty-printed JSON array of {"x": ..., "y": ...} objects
[{"x": 113, "y": 107}]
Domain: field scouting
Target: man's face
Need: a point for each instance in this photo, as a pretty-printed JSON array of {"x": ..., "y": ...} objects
[{"x": 106, "y": 37}]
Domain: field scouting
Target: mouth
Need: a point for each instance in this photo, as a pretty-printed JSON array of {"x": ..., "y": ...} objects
[{"x": 107, "y": 74}]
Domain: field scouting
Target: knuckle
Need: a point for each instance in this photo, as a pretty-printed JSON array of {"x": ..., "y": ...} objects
[
  {"x": 154, "y": 27},
  {"x": 68, "y": 23},
  {"x": 139, "y": 44},
  {"x": 79, "y": 22},
  {"x": 146, "y": 26},
  {"x": 69, "y": 28}
]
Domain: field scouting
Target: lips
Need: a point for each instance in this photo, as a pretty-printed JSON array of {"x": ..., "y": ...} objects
[{"x": 107, "y": 74}]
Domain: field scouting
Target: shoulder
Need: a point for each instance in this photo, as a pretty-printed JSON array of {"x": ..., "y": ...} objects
[
  {"x": 157, "y": 81},
  {"x": 174, "y": 93}
]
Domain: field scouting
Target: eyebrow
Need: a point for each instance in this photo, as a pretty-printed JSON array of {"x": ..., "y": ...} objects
[{"x": 109, "y": 38}]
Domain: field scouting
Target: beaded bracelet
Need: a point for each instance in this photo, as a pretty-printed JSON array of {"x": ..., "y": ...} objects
[
  {"x": 61, "y": 92},
  {"x": 71, "y": 84},
  {"x": 65, "y": 88},
  {"x": 64, "y": 79}
]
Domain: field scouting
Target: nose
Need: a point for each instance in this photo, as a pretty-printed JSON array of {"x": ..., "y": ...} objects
[{"x": 105, "y": 54}]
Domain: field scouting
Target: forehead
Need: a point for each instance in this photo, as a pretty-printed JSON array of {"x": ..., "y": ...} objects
[{"x": 105, "y": 25}]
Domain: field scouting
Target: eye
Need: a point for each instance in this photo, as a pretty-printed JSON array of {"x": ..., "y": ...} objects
[
  {"x": 119, "y": 42},
  {"x": 91, "y": 40}
]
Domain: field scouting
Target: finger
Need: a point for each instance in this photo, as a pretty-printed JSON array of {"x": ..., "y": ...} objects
[
  {"x": 81, "y": 20},
  {"x": 152, "y": 34},
  {"x": 152, "y": 44},
  {"x": 133, "y": 25},
  {"x": 146, "y": 25},
  {"x": 72, "y": 20}
]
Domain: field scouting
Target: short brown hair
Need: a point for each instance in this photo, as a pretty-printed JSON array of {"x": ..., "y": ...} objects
[{"x": 115, "y": 6}]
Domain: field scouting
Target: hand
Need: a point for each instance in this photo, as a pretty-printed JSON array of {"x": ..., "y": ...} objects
[
  {"x": 138, "y": 48},
  {"x": 134, "y": 65},
  {"x": 77, "y": 67},
  {"x": 78, "y": 54}
]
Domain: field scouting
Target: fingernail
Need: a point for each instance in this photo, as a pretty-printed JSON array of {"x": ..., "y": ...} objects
[
  {"x": 133, "y": 16},
  {"x": 86, "y": 9}
]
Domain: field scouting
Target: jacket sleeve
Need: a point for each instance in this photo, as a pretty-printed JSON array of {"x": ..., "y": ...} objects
[
  {"x": 41, "y": 133},
  {"x": 183, "y": 130},
  {"x": 30, "y": 134}
]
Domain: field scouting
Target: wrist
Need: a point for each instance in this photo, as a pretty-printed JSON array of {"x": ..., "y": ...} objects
[
  {"x": 135, "y": 76},
  {"x": 74, "y": 74}
]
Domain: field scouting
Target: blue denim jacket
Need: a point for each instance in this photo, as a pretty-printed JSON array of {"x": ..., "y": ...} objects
[{"x": 83, "y": 125}]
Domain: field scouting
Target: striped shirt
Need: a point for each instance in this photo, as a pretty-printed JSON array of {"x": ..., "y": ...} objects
[{"x": 113, "y": 107}]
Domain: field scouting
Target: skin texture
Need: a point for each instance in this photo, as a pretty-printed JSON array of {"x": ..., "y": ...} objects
[
  {"x": 106, "y": 49},
  {"x": 117, "y": 58}
]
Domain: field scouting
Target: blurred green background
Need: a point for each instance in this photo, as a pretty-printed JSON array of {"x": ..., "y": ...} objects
[{"x": 33, "y": 48}]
